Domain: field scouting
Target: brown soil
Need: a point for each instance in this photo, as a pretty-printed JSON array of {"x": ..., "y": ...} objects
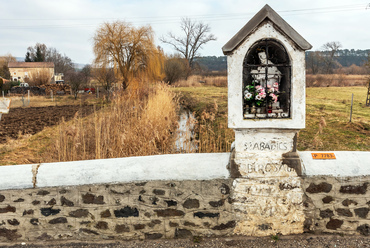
[{"x": 32, "y": 120}]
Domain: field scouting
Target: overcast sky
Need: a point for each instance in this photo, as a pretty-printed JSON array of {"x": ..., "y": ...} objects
[{"x": 69, "y": 25}]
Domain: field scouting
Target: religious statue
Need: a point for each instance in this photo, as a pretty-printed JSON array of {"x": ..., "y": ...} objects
[{"x": 273, "y": 75}]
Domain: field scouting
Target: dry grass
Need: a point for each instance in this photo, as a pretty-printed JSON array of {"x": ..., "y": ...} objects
[
  {"x": 200, "y": 81},
  {"x": 43, "y": 101},
  {"x": 142, "y": 122},
  {"x": 335, "y": 80},
  {"x": 212, "y": 132},
  {"x": 210, "y": 107},
  {"x": 27, "y": 149},
  {"x": 136, "y": 123}
]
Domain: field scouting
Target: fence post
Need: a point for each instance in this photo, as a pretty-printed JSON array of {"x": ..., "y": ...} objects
[{"x": 350, "y": 116}]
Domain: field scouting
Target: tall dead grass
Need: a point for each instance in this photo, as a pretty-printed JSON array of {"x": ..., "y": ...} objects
[
  {"x": 212, "y": 132},
  {"x": 198, "y": 81},
  {"x": 136, "y": 123},
  {"x": 335, "y": 80}
]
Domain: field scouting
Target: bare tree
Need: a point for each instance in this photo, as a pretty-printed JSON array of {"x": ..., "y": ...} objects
[
  {"x": 62, "y": 63},
  {"x": 196, "y": 35},
  {"x": 314, "y": 61},
  {"x": 36, "y": 53},
  {"x": 41, "y": 53},
  {"x": 106, "y": 77},
  {"x": 77, "y": 79},
  {"x": 330, "y": 49}
]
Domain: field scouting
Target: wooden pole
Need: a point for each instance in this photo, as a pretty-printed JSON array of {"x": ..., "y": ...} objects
[{"x": 350, "y": 116}]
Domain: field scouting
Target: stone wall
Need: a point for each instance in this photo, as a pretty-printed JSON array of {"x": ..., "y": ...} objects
[
  {"x": 175, "y": 196},
  {"x": 141, "y": 210},
  {"x": 337, "y": 204}
]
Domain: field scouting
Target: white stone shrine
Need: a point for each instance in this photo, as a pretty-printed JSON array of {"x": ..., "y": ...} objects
[{"x": 266, "y": 108}]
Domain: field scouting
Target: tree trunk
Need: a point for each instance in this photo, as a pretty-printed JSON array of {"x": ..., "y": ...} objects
[{"x": 124, "y": 84}]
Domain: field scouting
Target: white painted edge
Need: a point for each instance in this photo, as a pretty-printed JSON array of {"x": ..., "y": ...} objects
[
  {"x": 346, "y": 164},
  {"x": 16, "y": 176},
  {"x": 193, "y": 166}
]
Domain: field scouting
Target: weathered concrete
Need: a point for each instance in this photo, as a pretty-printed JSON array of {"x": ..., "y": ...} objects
[
  {"x": 16, "y": 177},
  {"x": 346, "y": 164},
  {"x": 268, "y": 198},
  {"x": 162, "y": 167}
]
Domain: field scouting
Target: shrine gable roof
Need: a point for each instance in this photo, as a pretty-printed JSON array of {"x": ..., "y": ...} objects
[{"x": 265, "y": 13}]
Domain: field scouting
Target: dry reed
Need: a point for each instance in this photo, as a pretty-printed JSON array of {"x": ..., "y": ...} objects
[
  {"x": 335, "y": 80},
  {"x": 212, "y": 132},
  {"x": 317, "y": 141},
  {"x": 136, "y": 123},
  {"x": 198, "y": 81}
]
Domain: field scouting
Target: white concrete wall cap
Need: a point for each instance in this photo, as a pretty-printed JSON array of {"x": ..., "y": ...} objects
[
  {"x": 16, "y": 176},
  {"x": 118, "y": 170},
  {"x": 346, "y": 164}
]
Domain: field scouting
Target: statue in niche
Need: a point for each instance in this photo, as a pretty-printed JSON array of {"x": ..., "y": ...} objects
[
  {"x": 265, "y": 84},
  {"x": 273, "y": 74}
]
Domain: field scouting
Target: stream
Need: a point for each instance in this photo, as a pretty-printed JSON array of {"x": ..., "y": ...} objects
[{"x": 185, "y": 140}]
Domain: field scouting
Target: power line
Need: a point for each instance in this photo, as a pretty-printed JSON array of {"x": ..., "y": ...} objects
[{"x": 155, "y": 20}]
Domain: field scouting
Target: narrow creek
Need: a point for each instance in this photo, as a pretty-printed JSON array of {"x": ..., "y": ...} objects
[{"x": 185, "y": 140}]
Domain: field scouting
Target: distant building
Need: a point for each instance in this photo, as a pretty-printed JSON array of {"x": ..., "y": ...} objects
[
  {"x": 59, "y": 78},
  {"x": 19, "y": 71}
]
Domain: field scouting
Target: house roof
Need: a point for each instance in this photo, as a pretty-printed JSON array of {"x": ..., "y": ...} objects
[
  {"x": 265, "y": 13},
  {"x": 31, "y": 65}
]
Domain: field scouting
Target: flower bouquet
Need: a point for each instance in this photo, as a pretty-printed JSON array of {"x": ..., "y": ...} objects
[{"x": 258, "y": 96}]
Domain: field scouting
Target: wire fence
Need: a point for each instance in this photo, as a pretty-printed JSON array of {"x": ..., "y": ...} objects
[{"x": 28, "y": 99}]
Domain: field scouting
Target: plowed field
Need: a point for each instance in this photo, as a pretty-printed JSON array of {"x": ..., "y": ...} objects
[{"x": 33, "y": 120}]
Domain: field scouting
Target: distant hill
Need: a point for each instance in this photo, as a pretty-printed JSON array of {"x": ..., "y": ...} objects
[
  {"x": 212, "y": 63},
  {"x": 346, "y": 57}
]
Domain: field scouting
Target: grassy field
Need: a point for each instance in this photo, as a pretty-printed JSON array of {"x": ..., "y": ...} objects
[
  {"x": 327, "y": 117},
  {"x": 332, "y": 106}
]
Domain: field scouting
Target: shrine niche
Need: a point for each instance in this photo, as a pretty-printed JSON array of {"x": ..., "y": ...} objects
[
  {"x": 266, "y": 74},
  {"x": 266, "y": 81}
]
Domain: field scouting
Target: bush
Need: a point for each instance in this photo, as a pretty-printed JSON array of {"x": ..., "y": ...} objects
[
  {"x": 174, "y": 69},
  {"x": 8, "y": 85}
]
